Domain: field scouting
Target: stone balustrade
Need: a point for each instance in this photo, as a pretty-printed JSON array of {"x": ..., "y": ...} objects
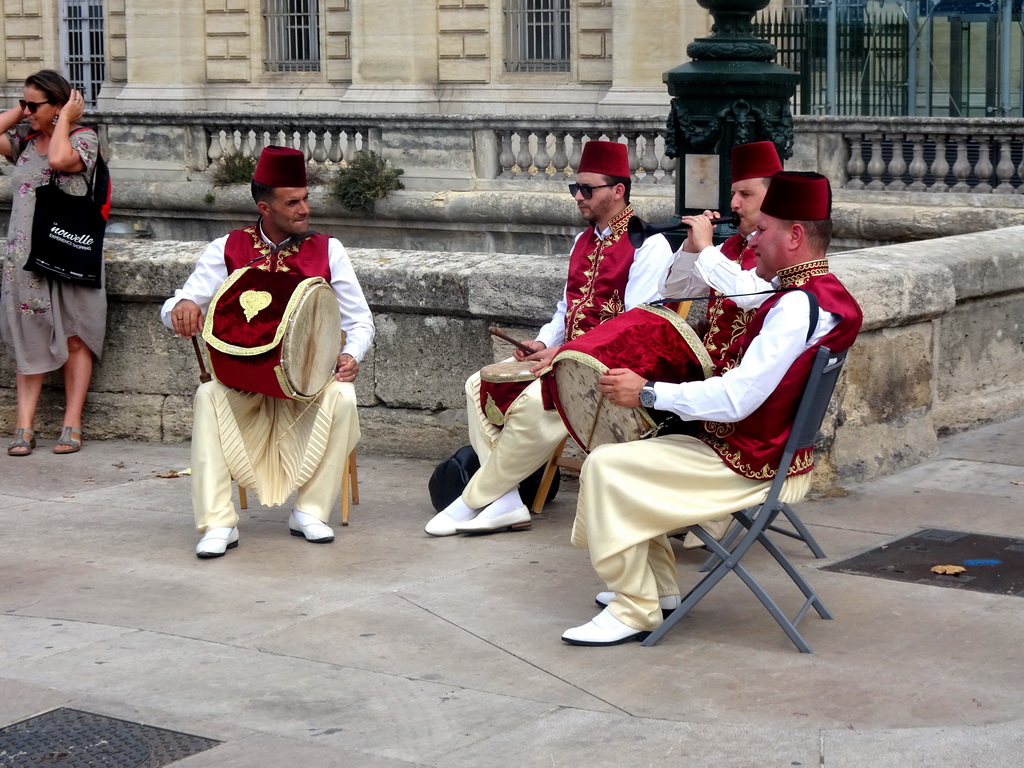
[
  {"x": 886, "y": 154},
  {"x": 942, "y": 348}
]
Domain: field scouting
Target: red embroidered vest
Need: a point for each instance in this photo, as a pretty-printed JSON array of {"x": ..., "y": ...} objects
[
  {"x": 306, "y": 256},
  {"x": 595, "y": 288},
  {"x": 726, "y": 321},
  {"x": 753, "y": 446}
]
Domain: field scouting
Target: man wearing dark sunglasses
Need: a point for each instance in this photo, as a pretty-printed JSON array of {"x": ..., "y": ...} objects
[{"x": 607, "y": 276}]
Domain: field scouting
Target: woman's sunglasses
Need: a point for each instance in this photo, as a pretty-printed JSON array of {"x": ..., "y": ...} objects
[
  {"x": 32, "y": 105},
  {"x": 586, "y": 189}
]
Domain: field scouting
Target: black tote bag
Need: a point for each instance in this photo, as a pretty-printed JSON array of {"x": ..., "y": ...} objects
[{"x": 67, "y": 236}]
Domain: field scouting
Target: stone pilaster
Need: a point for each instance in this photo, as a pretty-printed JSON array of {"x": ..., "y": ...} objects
[{"x": 394, "y": 57}]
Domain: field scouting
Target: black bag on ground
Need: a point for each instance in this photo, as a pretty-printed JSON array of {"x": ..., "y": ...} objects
[
  {"x": 450, "y": 477},
  {"x": 67, "y": 230}
]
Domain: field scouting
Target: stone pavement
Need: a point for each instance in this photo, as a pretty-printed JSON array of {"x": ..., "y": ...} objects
[{"x": 388, "y": 648}]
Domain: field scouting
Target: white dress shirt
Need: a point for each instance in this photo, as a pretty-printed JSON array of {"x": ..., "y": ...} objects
[
  {"x": 740, "y": 391},
  {"x": 650, "y": 262},
  {"x": 692, "y": 274},
  {"x": 356, "y": 319}
]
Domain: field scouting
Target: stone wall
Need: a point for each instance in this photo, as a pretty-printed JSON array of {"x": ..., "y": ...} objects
[{"x": 942, "y": 348}]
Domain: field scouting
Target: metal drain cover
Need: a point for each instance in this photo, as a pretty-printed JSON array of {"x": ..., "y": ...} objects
[
  {"x": 995, "y": 564},
  {"x": 71, "y": 738}
]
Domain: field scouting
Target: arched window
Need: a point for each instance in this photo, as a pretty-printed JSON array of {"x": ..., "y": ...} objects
[
  {"x": 537, "y": 35},
  {"x": 292, "y": 29}
]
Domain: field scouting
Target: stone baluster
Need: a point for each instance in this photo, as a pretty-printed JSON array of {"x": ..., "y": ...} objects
[
  {"x": 940, "y": 165},
  {"x": 506, "y": 159},
  {"x": 668, "y": 167},
  {"x": 918, "y": 167},
  {"x": 876, "y": 165},
  {"x": 1004, "y": 168},
  {"x": 524, "y": 158},
  {"x": 983, "y": 169},
  {"x": 320, "y": 147},
  {"x": 633, "y": 154},
  {"x": 215, "y": 147},
  {"x": 855, "y": 165},
  {"x": 560, "y": 160},
  {"x": 897, "y": 165},
  {"x": 259, "y": 141},
  {"x": 648, "y": 161},
  {"x": 352, "y": 145},
  {"x": 1020, "y": 175},
  {"x": 335, "y": 154},
  {"x": 577, "y": 151},
  {"x": 541, "y": 158},
  {"x": 961, "y": 166}
]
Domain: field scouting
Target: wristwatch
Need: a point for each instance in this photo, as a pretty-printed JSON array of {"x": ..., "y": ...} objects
[{"x": 647, "y": 396}]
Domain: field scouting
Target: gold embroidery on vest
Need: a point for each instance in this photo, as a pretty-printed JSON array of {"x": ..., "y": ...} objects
[
  {"x": 272, "y": 261},
  {"x": 799, "y": 274},
  {"x": 574, "y": 315}
]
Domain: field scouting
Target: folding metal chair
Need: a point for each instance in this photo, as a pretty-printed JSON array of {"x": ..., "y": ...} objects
[{"x": 756, "y": 521}]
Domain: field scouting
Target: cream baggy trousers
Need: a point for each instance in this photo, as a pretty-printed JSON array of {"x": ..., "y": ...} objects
[
  {"x": 633, "y": 494},
  {"x": 510, "y": 454},
  {"x": 271, "y": 446}
]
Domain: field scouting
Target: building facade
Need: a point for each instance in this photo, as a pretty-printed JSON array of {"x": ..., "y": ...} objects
[{"x": 570, "y": 57}]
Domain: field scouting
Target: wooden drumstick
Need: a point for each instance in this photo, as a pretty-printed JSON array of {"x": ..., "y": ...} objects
[
  {"x": 517, "y": 344},
  {"x": 203, "y": 375}
]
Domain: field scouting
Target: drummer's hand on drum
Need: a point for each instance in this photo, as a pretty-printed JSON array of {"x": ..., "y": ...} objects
[
  {"x": 536, "y": 346},
  {"x": 542, "y": 359},
  {"x": 186, "y": 318},
  {"x": 347, "y": 368},
  {"x": 620, "y": 386}
]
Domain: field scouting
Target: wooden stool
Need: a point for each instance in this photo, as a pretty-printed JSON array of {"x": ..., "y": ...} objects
[{"x": 349, "y": 489}]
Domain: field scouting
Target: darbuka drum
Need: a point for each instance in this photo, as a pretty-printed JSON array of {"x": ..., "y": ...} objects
[
  {"x": 274, "y": 333},
  {"x": 651, "y": 341},
  {"x": 500, "y": 384}
]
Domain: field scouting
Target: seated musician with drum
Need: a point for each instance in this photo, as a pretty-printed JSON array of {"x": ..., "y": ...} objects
[
  {"x": 699, "y": 267},
  {"x": 280, "y": 440},
  {"x": 633, "y": 494},
  {"x": 606, "y": 276}
]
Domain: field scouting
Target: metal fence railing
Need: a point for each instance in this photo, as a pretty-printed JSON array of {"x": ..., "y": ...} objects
[{"x": 871, "y": 60}]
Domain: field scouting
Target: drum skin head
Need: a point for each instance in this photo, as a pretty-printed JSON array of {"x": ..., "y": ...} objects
[{"x": 311, "y": 346}]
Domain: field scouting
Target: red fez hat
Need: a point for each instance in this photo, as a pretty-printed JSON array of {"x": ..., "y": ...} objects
[
  {"x": 608, "y": 158},
  {"x": 798, "y": 197},
  {"x": 281, "y": 167},
  {"x": 754, "y": 161}
]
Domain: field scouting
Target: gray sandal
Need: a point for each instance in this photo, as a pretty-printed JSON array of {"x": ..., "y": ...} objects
[
  {"x": 22, "y": 445},
  {"x": 70, "y": 441}
]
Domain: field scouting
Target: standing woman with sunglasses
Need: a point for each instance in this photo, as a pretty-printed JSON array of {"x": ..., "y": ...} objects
[{"x": 47, "y": 324}]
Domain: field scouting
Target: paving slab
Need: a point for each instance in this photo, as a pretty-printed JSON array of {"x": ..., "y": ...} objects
[{"x": 391, "y": 648}]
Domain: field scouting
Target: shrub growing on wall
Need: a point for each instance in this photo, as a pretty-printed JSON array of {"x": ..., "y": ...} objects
[
  {"x": 367, "y": 178},
  {"x": 234, "y": 169}
]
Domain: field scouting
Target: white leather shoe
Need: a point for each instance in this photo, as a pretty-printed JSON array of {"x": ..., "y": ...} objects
[
  {"x": 603, "y": 629},
  {"x": 216, "y": 542},
  {"x": 668, "y": 602},
  {"x": 440, "y": 525},
  {"x": 315, "y": 531},
  {"x": 482, "y": 524}
]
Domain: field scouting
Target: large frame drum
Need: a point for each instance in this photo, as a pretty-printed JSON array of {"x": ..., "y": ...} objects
[
  {"x": 652, "y": 341},
  {"x": 276, "y": 333}
]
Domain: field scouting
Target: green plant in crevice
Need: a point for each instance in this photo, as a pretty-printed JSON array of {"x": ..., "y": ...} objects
[
  {"x": 234, "y": 169},
  {"x": 369, "y": 177}
]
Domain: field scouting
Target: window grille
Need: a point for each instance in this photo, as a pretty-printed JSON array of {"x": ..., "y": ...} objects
[
  {"x": 292, "y": 30},
  {"x": 537, "y": 35},
  {"x": 82, "y": 49}
]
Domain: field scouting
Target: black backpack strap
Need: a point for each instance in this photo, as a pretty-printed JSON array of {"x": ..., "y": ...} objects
[{"x": 814, "y": 313}]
